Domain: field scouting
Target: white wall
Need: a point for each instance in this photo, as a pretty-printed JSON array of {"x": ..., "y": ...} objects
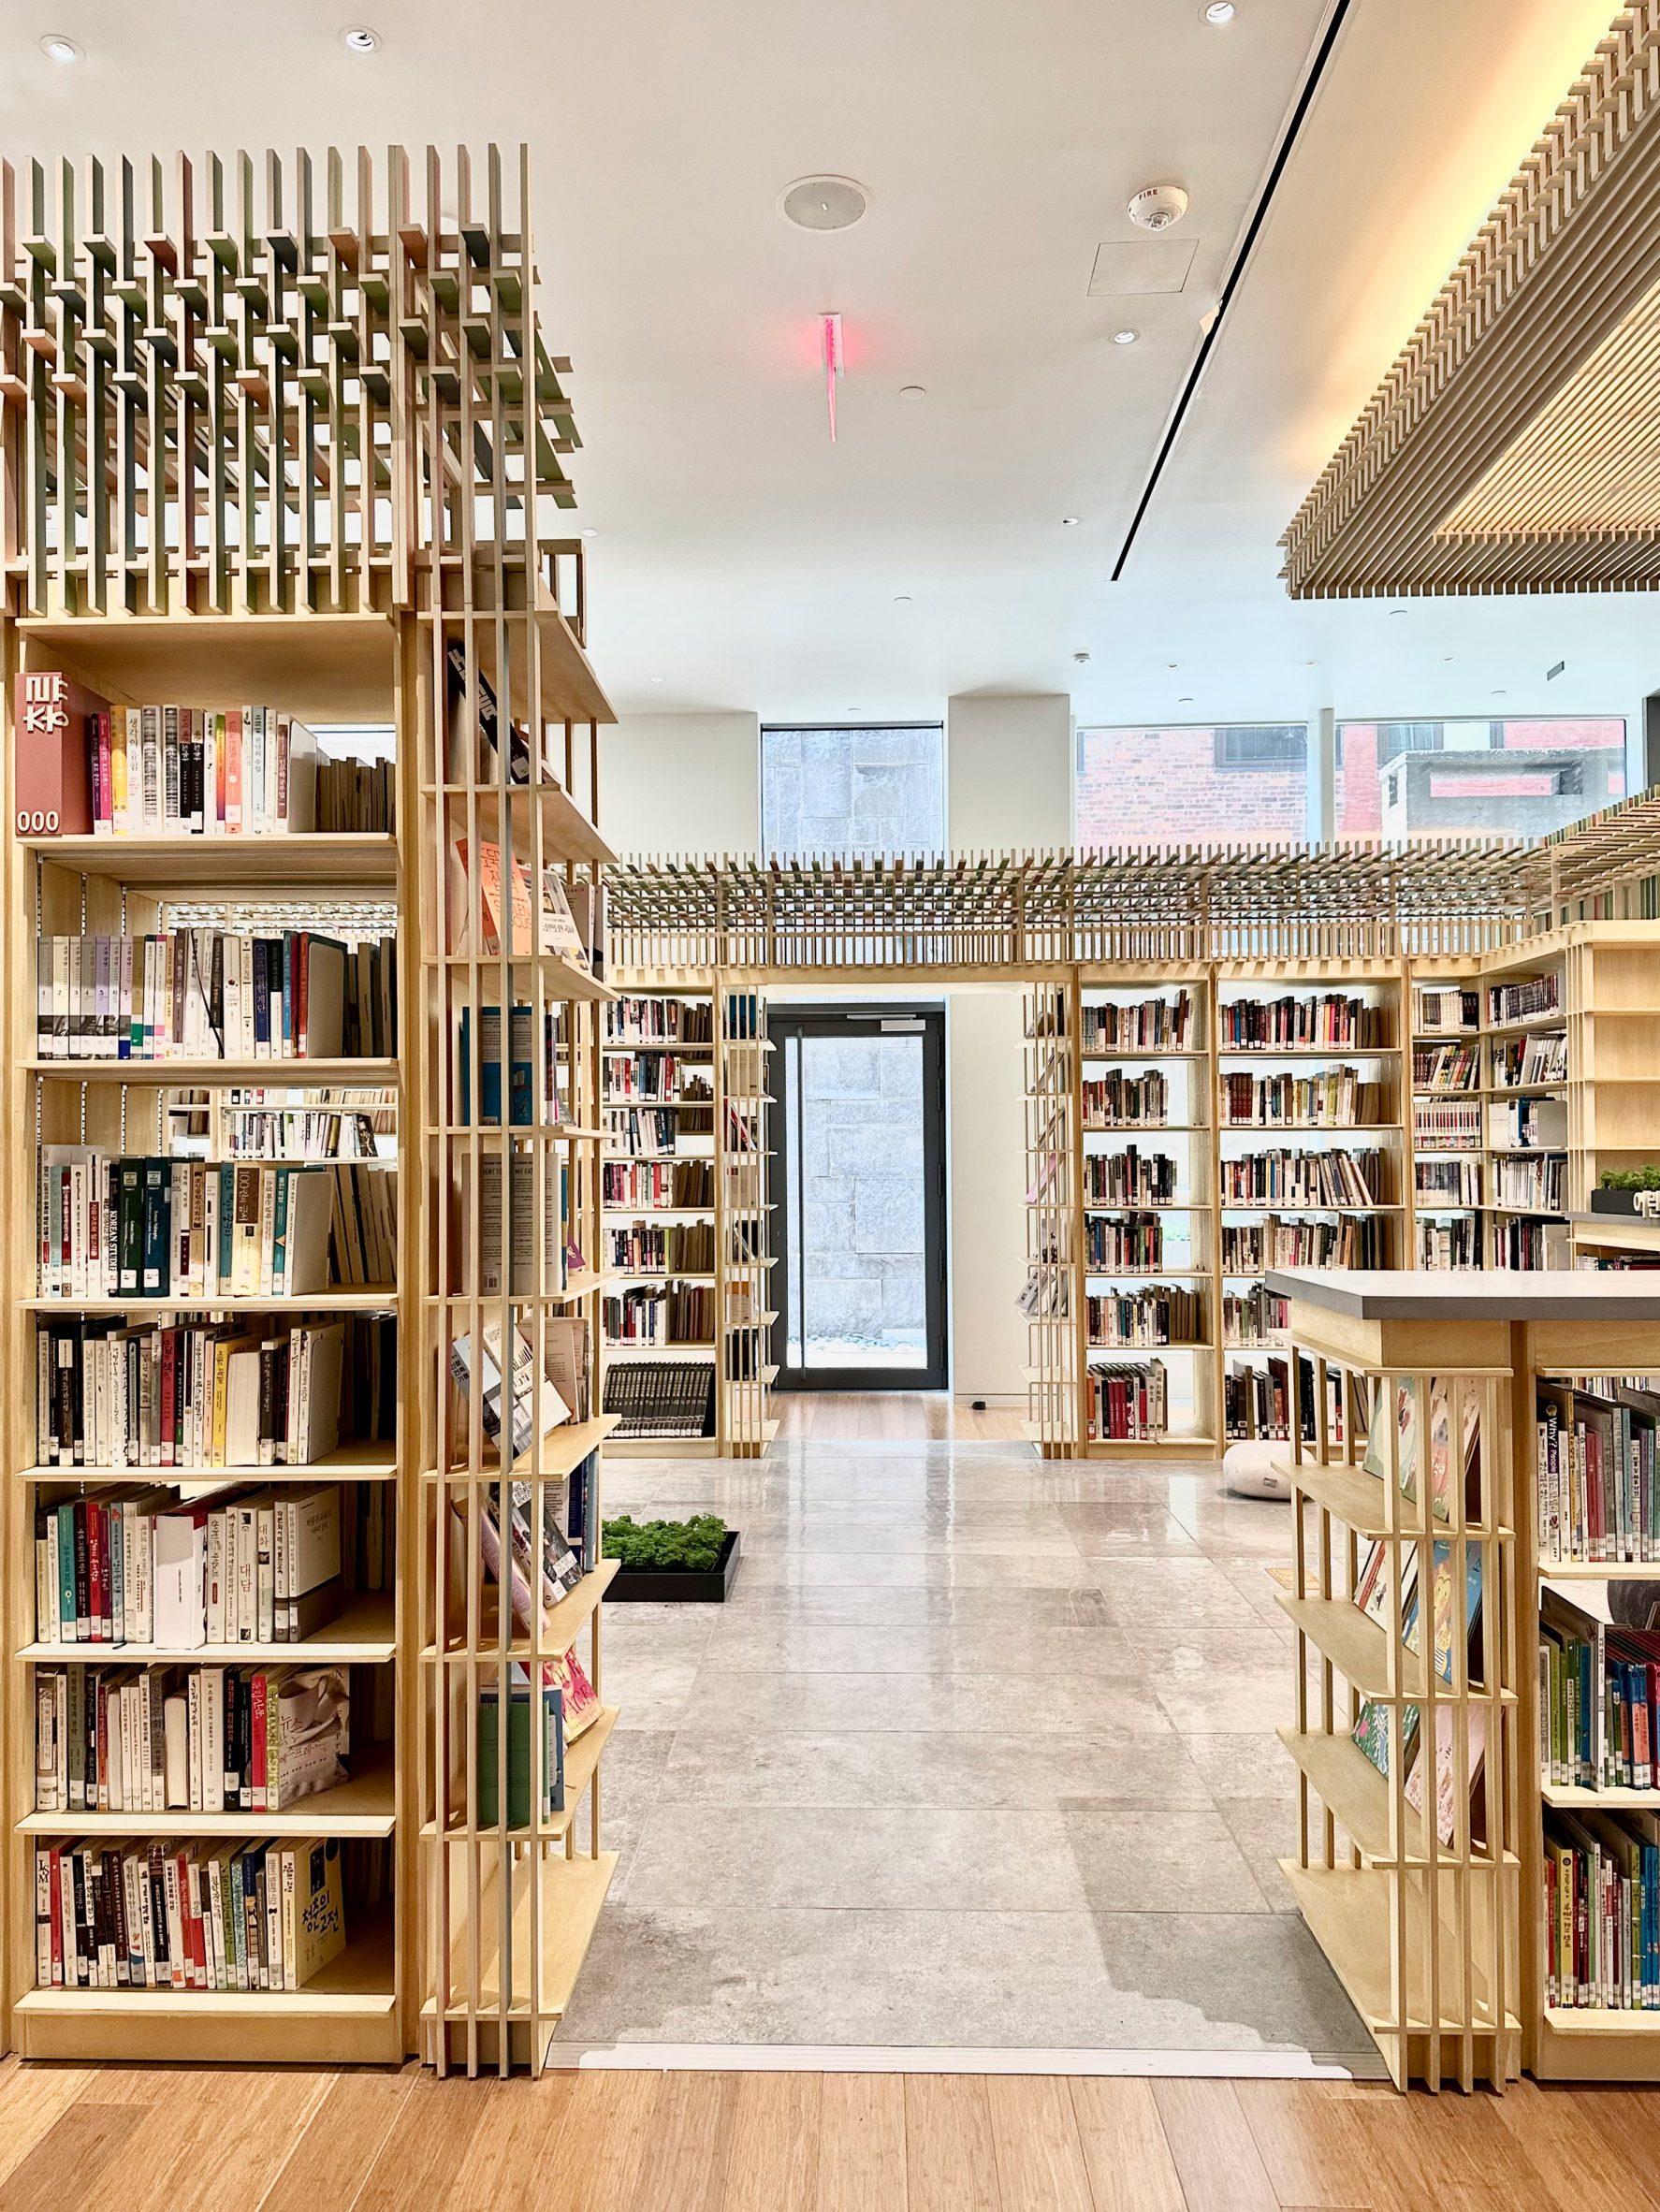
[
  {"x": 1009, "y": 786},
  {"x": 681, "y": 783},
  {"x": 984, "y": 1086},
  {"x": 1009, "y": 771}
]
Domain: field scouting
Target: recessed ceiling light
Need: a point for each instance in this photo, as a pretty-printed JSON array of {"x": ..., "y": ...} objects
[
  {"x": 913, "y": 391},
  {"x": 1397, "y": 610},
  {"x": 901, "y": 599},
  {"x": 1069, "y": 522},
  {"x": 1186, "y": 699},
  {"x": 360, "y": 39},
  {"x": 1218, "y": 11},
  {"x": 657, "y": 680},
  {"x": 824, "y": 203},
  {"x": 56, "y": 47},
  {"x": 589, "y": 533},
  {"x": 1311, "y": 663},
  {"x": 1446, "y": 659},
  {"x": 1125, "y": 337},
  {"x": 1500, "y": 694},
  {"x": 1172, "y": 664}
]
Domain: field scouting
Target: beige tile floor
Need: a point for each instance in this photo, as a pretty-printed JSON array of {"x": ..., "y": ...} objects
[{"x": 981, "y": 1753}]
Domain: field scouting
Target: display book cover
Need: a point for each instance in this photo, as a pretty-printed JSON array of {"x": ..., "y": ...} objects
[{"x": 1373, "y": 1588}]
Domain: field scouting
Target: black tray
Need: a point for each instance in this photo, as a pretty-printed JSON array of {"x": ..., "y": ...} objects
[
  {"x": 657, "y": 1586},
  {"x": 1644, "y": 1204}
]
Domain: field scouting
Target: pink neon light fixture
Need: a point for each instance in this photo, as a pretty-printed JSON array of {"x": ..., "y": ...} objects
[{"x": 831, "y": 353}]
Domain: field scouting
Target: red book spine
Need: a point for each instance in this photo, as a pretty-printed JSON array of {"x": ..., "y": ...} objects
[
  {"x": 105, "y": 818},
  {"x": 94, "y": 1569},
  {"x": 170, "y": 1356}
]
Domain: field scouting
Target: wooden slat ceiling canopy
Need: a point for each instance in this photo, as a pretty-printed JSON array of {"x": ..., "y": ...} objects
[
  {"x": 1193, "y": 901},
  {"x": 1515, "y": 443}
]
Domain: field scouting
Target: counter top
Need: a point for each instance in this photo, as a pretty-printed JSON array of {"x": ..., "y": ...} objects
[{"x": 1549, "y": 1294}]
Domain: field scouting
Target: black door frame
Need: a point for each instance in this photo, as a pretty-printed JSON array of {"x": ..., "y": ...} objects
[{"x": 853, "y": 1020}]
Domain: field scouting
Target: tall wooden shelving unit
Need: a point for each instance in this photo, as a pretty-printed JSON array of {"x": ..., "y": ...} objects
[
  {"x": 326, "y": 433},
  {"x": 744, "y": 1309}
]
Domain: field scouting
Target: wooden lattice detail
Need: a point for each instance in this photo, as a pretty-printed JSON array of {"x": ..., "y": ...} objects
[
  {"x": 208, "y": 369},
  {"x": 1498, "y": 453}
]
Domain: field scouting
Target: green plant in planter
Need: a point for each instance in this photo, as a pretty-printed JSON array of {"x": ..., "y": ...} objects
[
  {"x": 1630, "y": 1178},
  {"x": 686, "y": 1547}
]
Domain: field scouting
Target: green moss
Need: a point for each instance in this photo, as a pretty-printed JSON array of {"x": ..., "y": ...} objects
[
  {"x": 1630, "y": 1178},
  {"x": 686, "y": 1547}
]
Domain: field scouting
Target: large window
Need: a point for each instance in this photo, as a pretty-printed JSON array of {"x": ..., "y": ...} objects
[
  {"x": 854, "y": 793},
  {"x": 1513, "y": 776},
  {"x": 1192, "y": 783}
]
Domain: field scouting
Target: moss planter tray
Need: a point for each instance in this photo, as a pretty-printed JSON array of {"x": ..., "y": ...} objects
[{"x": 657, "y": 1586}]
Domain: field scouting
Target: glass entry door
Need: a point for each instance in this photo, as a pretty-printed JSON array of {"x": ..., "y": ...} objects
[{"x": 858, "y": 1190}]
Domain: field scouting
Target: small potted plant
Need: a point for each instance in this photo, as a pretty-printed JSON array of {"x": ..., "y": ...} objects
[
  {"x": 671, "y": 1562},
  {"x": 1628, "y": 1191}
]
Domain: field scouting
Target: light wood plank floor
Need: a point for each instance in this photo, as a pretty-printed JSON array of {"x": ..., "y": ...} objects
[
  {"x": 872, "y": 1417},
  {"x": 174, "y": 2140}
]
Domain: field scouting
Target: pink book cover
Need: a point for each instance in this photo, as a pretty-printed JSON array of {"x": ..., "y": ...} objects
[{"x": 54, "y": 728}]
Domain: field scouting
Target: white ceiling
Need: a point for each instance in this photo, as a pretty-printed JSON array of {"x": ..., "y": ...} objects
[{"x": 746, "y": 561}]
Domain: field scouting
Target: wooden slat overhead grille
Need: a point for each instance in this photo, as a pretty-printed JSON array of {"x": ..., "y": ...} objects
[
  {"x": 1019, "y": 911},
  {"x": 1511, "y": 446}
]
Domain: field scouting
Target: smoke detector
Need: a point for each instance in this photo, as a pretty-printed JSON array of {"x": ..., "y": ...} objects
[
  {"x": 1082, "y": 659},
  {"x": 1156, "y": 207}
]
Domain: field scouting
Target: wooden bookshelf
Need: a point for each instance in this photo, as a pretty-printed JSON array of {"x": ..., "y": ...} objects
[
  {"x": 342, "y": 609},
  {"x": 638, "y": 1032},
  {"x": 1414, "y": 1903}
]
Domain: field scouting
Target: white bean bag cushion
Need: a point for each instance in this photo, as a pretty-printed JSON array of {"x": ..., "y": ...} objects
[{"x": 1250, "y": 1471}]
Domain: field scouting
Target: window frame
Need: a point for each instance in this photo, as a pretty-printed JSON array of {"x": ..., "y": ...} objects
[{"x": 817, "y": 728}]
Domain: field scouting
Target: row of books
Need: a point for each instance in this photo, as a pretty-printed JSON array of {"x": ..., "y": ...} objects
[
  {"x": 740, "y": 1016},
  {"x": 1445, "y": 1068},
  {"x": 169, "y": 1915},
  {"x": 655, "y": 1076},
  {"x": 1449, "y": 1243},
  {"x": 1151, "y": 1024},
  {"x": 355, "y": 798},
  {"x": 1249, "y": 1248},
  {"x": 529, "y": 1080},
  {"x": 1332, "y": 1099},
  {"x": 1447, "y": 1182},
  {"x": 661, "y": 1397},
  {"x": 1129, "y": 1177},
  {"x": 1443, "y": 1009},
  {"x": 647, "y": 1132},
  {"x": 1532, "y": 1186},
  {"x": 1299, "y": 1022},
  {"x": 658, "y": 1186},
  {"x": 1125, "y": 1404},
  {"x": 1452, "y": 1622},
  {"x": 1595, "y": 1474},
  {"x": 215, "y": 995},
  {"x": 1447, "y": 1124},
  {"x": 164, "y": 771},
  {"x": 651, "y": 1313},
  {"x": 1522, "y": 1062},
  {"x": 1531, "y": 1001},
  {"x": 110, "y": 1393},
  {"x": 1599, "y": 1696},
  {"x": 1255, "y": 1400},
  {"x": 1284, "y": 1178},
  {"x": 149, "y": 1227},
  {"x": 1254, "y": 1316},
  {"x": 195, "y": 1739},
  {"x": 1527, "y": 1123},
  {"x": 1602, "y": 1911},
  {"x": 672, "y": 1248},
  {"x": 259, "y": 1122},
  {"x": 634, "y": 1020},
  {"x": 135, "y": 1566},
  {"x": 1156, "y": 1312},
  {"x": 560, "y": 1559},
  {"x": 1123, "y": 1241},
  {"x": 1126, "y": 1101},
  {"x": 1522, "y": 1245}
]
